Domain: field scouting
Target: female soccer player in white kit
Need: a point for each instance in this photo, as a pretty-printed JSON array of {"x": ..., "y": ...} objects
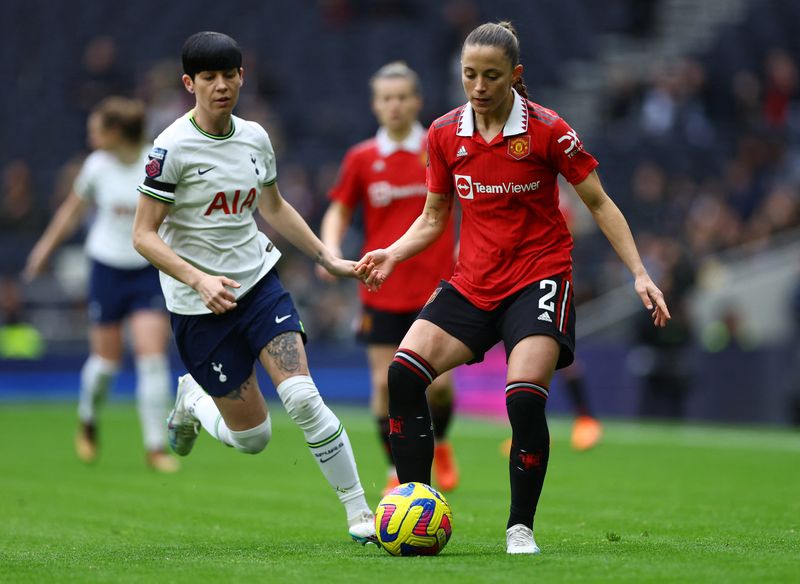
[
  {"x": 122, "y": 285},
  {"x": 205, "y": 176}
]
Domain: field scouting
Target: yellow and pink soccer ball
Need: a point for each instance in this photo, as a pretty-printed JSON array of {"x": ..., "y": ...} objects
[{"x": 413, "y": 519}]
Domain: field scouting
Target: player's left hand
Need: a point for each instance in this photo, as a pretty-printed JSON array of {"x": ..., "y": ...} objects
[{"x": 653, "y": 299}]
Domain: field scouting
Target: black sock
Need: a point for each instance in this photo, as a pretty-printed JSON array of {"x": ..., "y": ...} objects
[
  {"x": 577, "y": 391},
  {"x": 530, "y": 449},
  {"x": 410, "y": 421},
  {"x": 441, "y": 414},
  {"x": 383, "y": 434}
]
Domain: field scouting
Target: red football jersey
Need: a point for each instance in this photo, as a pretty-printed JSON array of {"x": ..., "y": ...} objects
[
  {"x": 388, "y": 180},
  {"x": 512, "y": 232}
]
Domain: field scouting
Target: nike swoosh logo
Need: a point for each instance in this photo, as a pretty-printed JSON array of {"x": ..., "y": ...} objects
[
  {"x": 280, "y": 319},
  {"x": 331, "y": 456},
  {"x": 202, "y": 172}
]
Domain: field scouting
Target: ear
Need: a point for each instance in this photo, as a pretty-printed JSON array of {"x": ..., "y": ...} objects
[
  {"x": 241, "y": 76},
  {"x": 516, "y": 73},
  {"x": 420, "y": 103},
  {"x": 188, "y": 83}
]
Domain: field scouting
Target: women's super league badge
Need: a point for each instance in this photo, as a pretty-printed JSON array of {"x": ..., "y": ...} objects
[
  {"x": 519, "y": 147},
  {"x": 155, "y": 162}
]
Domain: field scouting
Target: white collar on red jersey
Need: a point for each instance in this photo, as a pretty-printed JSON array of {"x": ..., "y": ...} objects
[
  {"x": 517, "y": 122},
  {"x": 412, "y": 143}
]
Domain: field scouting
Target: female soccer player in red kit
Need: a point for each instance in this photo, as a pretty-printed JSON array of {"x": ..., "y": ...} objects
[
  {"x": 499, "y": 155},
  {"x": 385, "y": 176}
]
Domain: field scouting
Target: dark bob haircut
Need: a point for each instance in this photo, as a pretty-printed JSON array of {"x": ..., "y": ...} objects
[{"x": 210, "y": 51}]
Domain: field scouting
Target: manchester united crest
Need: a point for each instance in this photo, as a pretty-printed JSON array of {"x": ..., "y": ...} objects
[{"x": 519, "y": 147}]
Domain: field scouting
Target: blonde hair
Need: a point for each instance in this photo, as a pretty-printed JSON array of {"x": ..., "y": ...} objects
[
  {"x": 397, "y": 70},
  {"x": 126, "y": 115}
]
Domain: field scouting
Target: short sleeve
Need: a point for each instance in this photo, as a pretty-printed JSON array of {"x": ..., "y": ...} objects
[
  {"x": 348, "y": 188},
  {"x": 268, "y": 154},
  {"x": 85, "y": 185},
  {"x": 162, "y": 169},
  {"x": 439, "y": 177},
  {"x": 568, "y": 155}
]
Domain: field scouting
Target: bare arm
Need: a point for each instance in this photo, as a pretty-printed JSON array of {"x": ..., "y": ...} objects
[
  {"x": 376, "y": 265},
  {"x": 334, "y": 225},
  {"x": 61, "y": 226},
  {"x": 288, "y": 222},
  {"x": 613, "y": 225},
  {"x": 150, "y": 214}
]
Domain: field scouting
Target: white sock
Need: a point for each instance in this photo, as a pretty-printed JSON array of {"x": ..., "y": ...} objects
[
  {"x": 252, "y": 440},
  {"x": 96, "y": 377},
  {"x": 327, "y": 440},
  {"x": 202, "y": 407},
  {"x": 152, "y": 398}
]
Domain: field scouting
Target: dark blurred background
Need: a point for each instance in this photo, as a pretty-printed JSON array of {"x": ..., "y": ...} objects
[{"x": 692, "y": 108}]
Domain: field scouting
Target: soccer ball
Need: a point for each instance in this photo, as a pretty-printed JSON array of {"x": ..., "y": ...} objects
[{"x": 413, "y": 519}]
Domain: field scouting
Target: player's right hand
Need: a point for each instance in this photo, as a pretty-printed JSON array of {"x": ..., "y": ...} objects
[
  {"x": 374, "y": 268},
  {"x": 215, "y": 294}
]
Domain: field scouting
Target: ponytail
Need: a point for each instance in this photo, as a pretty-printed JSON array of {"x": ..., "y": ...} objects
[{"x": 519, "y": 86}]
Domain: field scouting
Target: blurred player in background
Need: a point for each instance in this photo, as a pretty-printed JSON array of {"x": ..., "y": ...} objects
[
  {"x": 502, "y": 155},
  {"x": 587, "y": 429},
  {"x": 385, "y": 176},
  {"x": 206, "y": 175},
  {"x": 122, "y": 285}
]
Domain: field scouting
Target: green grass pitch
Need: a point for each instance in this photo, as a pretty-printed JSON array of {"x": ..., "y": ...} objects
[{"x": 653, "y": 503}]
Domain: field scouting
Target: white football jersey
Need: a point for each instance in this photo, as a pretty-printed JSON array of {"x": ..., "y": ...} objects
[
  {"x": 110, "y": 184},
  {"x": 212, "y": 184}
]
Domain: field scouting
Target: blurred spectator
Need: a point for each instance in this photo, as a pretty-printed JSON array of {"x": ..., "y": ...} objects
[
  {"x": 624, "y": 95},
  {"x": 676, "y": 105},
  {"x": 662, "y": 357},
  {"x": 21, "y": 216},
  {"x": 101, "y": 74},
  {"x": 18, "y": 338},
  {"x": 780, "y": 88},
  {"x": 746, "y": 96},
  {"x": 164, "y": 95},
  {"x": 726, "y": 333},
  {"x": 459, "y": 17},
  {"x": 648, "y": 190}
]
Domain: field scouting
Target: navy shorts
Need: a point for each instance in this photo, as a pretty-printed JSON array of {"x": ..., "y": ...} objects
[
  {"x": 116, "y": 293},
  {"x": 219, "y": 349},
  {"x": 381, "y": 327},
  {"x": 543, "y": 308}
]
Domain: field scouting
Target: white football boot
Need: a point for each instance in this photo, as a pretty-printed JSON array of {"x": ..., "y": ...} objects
[
  {"x": 182, "y": 426},
  {"x": 519, "y": 540},
  {"x": 362, "y": 528}
]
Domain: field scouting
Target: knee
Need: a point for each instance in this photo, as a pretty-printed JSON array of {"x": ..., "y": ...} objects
[
  {"x": 409, "y": 376},
  {"x": 152, "y": 364},
  {"x": 300, "y": 397},
  {"x": 254, "y": 440}
]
